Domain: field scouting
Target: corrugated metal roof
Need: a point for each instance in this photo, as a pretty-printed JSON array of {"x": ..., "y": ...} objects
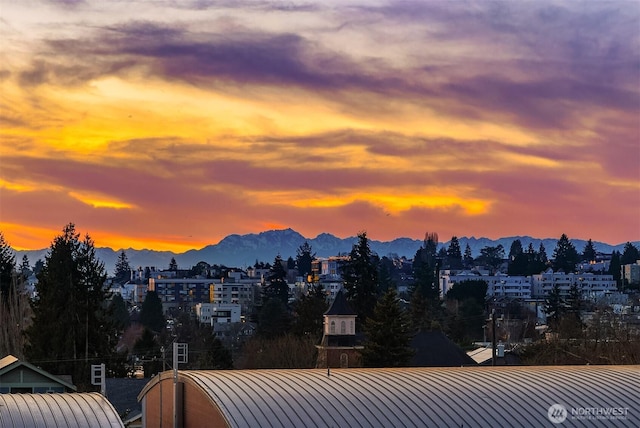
[
  {"x": 417, "y": 397},
  {"x": 79, "y": 410}
]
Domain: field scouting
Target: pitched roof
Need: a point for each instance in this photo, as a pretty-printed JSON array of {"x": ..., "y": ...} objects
[
  {"x": 123, "y": 394},
  {"x": 417, "y": 396},
  {"x": 340, "y": 306},
  {"x": 434, "y": 349},
  {"x": 10, "y": 363},
  {"x": 81, "y": 410}
]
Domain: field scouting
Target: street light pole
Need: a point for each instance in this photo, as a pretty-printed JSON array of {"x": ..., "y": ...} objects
[{"x": 493, "y": 337}]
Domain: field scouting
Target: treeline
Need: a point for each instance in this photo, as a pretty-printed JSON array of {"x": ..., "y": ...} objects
[{"x": 74, "y": 321}]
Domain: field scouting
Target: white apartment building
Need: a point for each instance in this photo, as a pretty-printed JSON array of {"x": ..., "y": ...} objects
[
  {"x": 214, "y": 313},
  {"x": 513, "y": 287},
  {"x": 591, "y": 286}
]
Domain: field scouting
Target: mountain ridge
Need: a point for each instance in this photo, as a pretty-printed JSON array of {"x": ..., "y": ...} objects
[{"x": 244, "y": 250}]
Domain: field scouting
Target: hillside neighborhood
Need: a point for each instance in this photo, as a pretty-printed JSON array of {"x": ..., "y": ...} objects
[{"x": 443, "y": 307}]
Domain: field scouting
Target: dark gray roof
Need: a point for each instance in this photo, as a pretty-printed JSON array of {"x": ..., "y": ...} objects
[
  {"x": 476, "y": 396},
  {"x": 434, "y": 349},
  {"x": 123, "y": 394},
  {"x": 81, "y": 410},
  {"x": 340, "y": 306}
]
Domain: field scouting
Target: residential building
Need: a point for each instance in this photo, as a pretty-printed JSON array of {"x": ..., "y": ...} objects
[
  {"x": 18, "y": 376},
  {"x": 218, "y": 313},
  {"x": 183, "y": 294},
  {"x": 591, "y": 286},
  {"x": 630, "y": 273},
  {"x": 328, "y": 268},
  {"x": 498, "y": 286}
]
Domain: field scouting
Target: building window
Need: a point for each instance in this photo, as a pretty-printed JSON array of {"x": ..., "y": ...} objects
[
  {"x": 344, "y": 361},
  {"x": 343, "y": 327},
  {"x": 333, "y": 327}
]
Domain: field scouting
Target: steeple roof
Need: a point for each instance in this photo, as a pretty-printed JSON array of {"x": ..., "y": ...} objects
[{"x": 340, "y": 306}]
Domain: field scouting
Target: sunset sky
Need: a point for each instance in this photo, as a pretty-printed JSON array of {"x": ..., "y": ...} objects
[{"x": 171, "y": 124}]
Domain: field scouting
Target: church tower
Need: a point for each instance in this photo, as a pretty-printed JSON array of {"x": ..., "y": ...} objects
[{"x": 338, "y": 348}]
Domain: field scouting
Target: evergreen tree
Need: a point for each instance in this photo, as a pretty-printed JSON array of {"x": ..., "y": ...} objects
[
  {"x": 277, "y": 286},
  {"x": 210, "y": 352},
  {"x": 291, "y": 264},
  {"x": 554, "y": 307},
  {"x": 469, "y": 289},
  {"x": 173, "y": 265},
  {"x": 37, "y": 268},
  {"x": 385, "y": 275},
  {"x": 441, "y": 255},
  {"x": 151, "y": 313},
  {"x": 454, "y": 254},
  {"x": 420, "y": 311},
  {"x": 308, "y": 313},
  {"x": 201, "y": 269},
  {"x": 518, "y": 259},
  {"x": 123, "y": 269},
  {"x": 565, "y": 256},
  {"x": 630, "y": 254},
  {"x": 148, "y": 351},
  {"x": 304, "y": 259},
  {"x": 589, "y": 253},
  {"x": 467, "y": 258},
  {"x": 7, "y": 267},
  {"x": 574, "y": 301},
  {"x": 273, "y": 319},
  {"x": 387, "y": 335},
  {"x": 425, "y": 269},
  {"x": 71, "y": 327},
  {"x": 360, "y": 276},
  {"x": 465, "y": 322},
  {"x": 492, "y": 256},
  {"x": 119, "y": 313},
  {"x": 614, "y": 267},
  {"x": 542, "y": 254}
]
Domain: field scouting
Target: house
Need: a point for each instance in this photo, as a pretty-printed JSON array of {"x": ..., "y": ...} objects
[
  {"x": 435, "y": 349},
  {"x": 504, "y": 396},
  {"x": 21, "y": 377}
]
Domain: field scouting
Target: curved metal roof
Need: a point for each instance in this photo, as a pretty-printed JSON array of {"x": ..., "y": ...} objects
[
  {"x": 417, "y": 397},
  {"x": 57, "y": 410}
]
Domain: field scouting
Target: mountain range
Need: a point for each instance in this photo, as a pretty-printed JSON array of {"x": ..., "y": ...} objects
[{"x": 244, "y": 250}]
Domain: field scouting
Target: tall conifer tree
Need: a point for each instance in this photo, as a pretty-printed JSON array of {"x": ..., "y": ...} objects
[{"x": 71, "y": 328}]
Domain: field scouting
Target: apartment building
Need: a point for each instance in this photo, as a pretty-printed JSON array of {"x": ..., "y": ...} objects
[
  {"x": 630, "y": 273},
  {"x": 183, "y": 294},
  {"x": 218, "y": 313},
  {"x": 512, "y": 287},
  {"x": 591, "y": 286}
]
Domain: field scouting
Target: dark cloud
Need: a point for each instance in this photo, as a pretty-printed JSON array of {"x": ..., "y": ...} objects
[{"x": 565, "y": 73}]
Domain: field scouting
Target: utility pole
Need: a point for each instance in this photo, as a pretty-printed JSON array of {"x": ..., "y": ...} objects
[
  {"x": 180, "y": 355},
  {"x": 493, "y": 337}
]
